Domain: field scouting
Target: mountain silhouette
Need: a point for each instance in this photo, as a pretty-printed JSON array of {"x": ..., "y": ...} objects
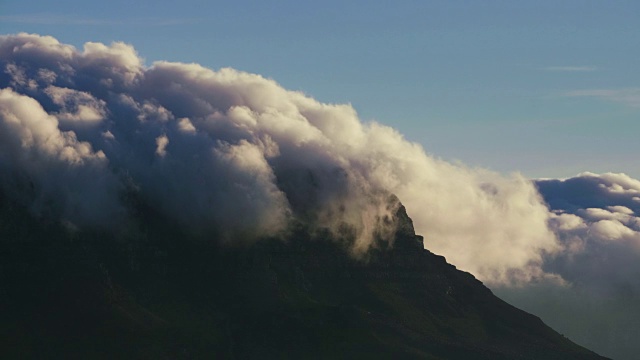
[{"x": 152, "y": 290}]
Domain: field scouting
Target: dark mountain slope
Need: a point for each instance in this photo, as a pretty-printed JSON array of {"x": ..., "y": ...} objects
[{"x": 153, "y": 292}]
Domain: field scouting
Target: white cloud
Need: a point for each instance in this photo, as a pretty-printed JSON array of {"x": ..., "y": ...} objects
[
  {"x": 161, "y": 143},
  {"x": 108, "y": 135},
  {"x": 613, "y": 230},
  {"x": 620, "y": 209},
  {"x": 186, "y": 126},
  {"x": 76, "y": 106}
]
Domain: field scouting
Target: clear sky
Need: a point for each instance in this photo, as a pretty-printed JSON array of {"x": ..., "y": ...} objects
[{"x": 548, "y": 88}]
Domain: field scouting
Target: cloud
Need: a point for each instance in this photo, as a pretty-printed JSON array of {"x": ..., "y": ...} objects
[
  {"x": 236, "y": 154},
  {"x": 571, "y": 68},
  {"x": 76, "y": 106},
  {"x": 596, "y": 219},
  {"x": 162, "y": 142},
  {"x": 629, "y": 97},
  {"x": 69, "y": 173}
]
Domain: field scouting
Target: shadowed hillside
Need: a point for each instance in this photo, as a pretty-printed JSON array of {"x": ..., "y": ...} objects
[{"x": 152, "y": 291}]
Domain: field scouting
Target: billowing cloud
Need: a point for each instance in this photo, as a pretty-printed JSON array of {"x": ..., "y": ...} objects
[{"x": 235, "y": 153}]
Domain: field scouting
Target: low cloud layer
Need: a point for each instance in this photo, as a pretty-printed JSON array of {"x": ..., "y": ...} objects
[{"x": 236, "y": 154}]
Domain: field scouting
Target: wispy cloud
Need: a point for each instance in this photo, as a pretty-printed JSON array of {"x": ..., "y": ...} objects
[
  {"x": 628, "y": 96},
  {"x": 571, "y": 68},
  {"x": 54, "y": 19}
]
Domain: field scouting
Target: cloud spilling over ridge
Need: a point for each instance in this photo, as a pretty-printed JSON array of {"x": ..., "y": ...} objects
[{"x": 236, "y": 153}]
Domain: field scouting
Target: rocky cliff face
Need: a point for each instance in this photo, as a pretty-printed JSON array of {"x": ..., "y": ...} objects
[{"x": 155, "y": 292}]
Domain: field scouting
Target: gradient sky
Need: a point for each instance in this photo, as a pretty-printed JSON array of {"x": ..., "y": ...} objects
[{"x": 547, "y": 88}]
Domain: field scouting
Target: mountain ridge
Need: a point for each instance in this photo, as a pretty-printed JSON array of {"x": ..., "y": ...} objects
[{"x": 161, "y": 294}]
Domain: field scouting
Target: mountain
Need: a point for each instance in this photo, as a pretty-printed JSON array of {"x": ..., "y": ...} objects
[{"x": 152, "y": 290}]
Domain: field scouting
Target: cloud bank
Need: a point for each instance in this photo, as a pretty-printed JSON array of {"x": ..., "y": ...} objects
[{"x": 236, "y": 154}]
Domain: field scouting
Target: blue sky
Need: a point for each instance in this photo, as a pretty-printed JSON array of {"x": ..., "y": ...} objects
[{"x": 548, "y": 88}]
